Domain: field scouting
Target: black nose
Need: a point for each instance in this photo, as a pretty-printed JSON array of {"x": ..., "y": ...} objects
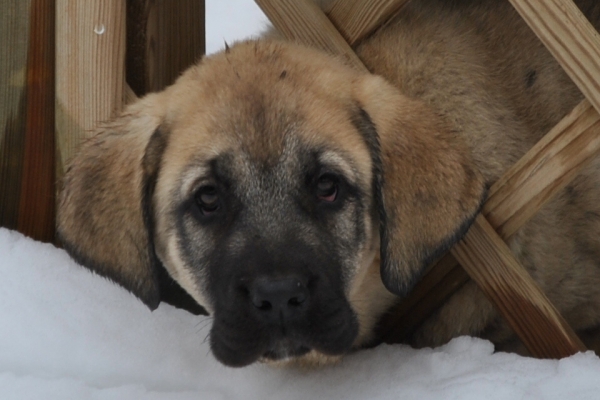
[{"x": 279, "y": 297}]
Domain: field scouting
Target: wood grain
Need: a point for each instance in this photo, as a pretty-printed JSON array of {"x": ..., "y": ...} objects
[
  {"x": 174, "y": 40},
  {"x": 163, "y": 39},
  {"x": 304, "y": 22},
  {"x": 489, "y": 261},
  {"x": 37, "y": 200},
  {"x": 570, "y": 38},
  {"x": 90, "y": 60},
  {"x": 27, "y": 117},
  {"x": 13, "y": 60},
  {"x": 356, "y": 19},
  {"x": 544, "y": 170}
]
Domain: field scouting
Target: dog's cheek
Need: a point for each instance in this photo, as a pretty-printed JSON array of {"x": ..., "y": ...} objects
[{"x": 180, "y": 247}]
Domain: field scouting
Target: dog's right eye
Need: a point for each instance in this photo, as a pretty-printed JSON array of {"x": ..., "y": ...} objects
[{"x": 208, "y": 200}]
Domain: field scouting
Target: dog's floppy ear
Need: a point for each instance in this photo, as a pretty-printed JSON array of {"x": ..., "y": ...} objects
[
  {"x": 426, "y": 187},
  {"x": 102, "y": 219}
]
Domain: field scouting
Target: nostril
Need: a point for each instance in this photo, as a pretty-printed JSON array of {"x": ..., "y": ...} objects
[
  {"x": 297, "y": 300},
  {"x": 284, "y": 293},
  {"x": 263, "y": 305}
]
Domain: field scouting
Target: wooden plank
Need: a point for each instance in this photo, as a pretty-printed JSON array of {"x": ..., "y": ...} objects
[
  {"x": 163, "y": 39},
  {"x": 14, "y": 26},
  {"x": 356, "y": 19},
  {"x": 545, "y": 170},
  {"x": 570, "y": 38},
  {"x": 136, "y": 70},
  {"x": 37, "y": 201},
  {"x": 489, "y": 261},
  {"x": 90, "y": 60},
  {"x": 175, "y": 40},
  {"x": 304, "y": 22}
]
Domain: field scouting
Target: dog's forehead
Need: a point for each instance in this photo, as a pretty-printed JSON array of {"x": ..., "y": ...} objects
[{"x": 266, "y": 107}]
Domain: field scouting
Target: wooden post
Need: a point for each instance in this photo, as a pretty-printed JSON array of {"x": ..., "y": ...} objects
[
  {"x": 163, "y": 39},
  {"x": 90, "y": 51},
  {"x": 37, "y": 202},
  {"x": 14, "y": 24},
  {"x": 27, "y": 144}
]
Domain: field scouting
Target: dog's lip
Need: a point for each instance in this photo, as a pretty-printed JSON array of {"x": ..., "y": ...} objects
[{"x": 286, "y": 349}]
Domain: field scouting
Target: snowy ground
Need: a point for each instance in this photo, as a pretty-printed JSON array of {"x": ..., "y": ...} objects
[{"x": 68, "y": 334}]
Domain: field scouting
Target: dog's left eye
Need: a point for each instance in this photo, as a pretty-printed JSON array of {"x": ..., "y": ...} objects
[
  {"x": 207, "y": 200},
  {"x": 327, "y": 188}
]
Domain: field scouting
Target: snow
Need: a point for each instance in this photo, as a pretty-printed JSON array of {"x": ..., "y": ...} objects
[{"x": 66, "y": 333}]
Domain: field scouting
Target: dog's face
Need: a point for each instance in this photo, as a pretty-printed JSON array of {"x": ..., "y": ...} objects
[{"x": 262, "y": 182}]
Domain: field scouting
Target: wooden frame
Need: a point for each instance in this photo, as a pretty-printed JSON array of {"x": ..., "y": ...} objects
[{"x": 547, "y": 168}]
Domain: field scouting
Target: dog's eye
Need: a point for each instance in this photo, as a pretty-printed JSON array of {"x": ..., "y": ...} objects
[
  {"x": 207, "y": 200},
  {"x": 327, "y": 188}
]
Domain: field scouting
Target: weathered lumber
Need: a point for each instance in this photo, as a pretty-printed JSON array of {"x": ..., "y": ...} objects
[
  {"x": 13, "y": 65},
  {"x": 163, "y": 39},
  {"x": 571, "y": 39},
  {"x": 304, "y": 22},
  {"x": 37, "y": 201},
  {"x": 356, "y": 19},
  {"x": 27, "y": 117},
  {"x": 90, "y": 60},
  {"x": 514, "y": 293}
]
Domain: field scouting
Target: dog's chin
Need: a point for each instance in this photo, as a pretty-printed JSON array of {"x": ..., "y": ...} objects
[
  {"x": 285, "y": 349},
  {"x": 309, "y": 360},
  {"x": 282, "y": 352}
]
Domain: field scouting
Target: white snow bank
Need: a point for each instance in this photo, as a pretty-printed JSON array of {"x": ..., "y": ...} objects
[{"x": 66, "y": 333}]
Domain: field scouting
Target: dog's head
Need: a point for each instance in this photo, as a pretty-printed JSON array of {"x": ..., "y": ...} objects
[{"x": 267, "y": 182}]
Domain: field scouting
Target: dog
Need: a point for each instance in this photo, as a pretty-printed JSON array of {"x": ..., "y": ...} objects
[{"x": 296, "y": 199}]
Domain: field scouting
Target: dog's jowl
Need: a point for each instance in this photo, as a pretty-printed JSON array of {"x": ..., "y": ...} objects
[{"x": 296, "y": 199}]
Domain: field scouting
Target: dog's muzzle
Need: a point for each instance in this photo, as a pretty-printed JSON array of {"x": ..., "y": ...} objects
[{"x": 276, "y": 306}]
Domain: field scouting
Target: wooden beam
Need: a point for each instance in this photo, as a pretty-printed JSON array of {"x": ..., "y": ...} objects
[
  {"x": 571, "y": 39},
  {"x": 14, "y": 29},
  {"x": 27, "y": 117},
  {"x": 175, "y": 40},
  {"x": 164, "y": 38},
  {"x": 517, "y": 297},
  {"x": 37, "y": 201},
  {"x": 356, "y": 19},
  {"x": 90, "y": 60},
  {"x": 545, "y": 170},
  {"x": 304, "y": 22}
]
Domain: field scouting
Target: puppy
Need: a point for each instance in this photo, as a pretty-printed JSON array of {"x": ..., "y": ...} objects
[{"x": 295, "y": 199}]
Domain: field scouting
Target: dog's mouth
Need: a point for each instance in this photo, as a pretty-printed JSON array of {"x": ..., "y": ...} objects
[
  {"x": 285, "y": 349},
  {"x": 240, "y": 342}
]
